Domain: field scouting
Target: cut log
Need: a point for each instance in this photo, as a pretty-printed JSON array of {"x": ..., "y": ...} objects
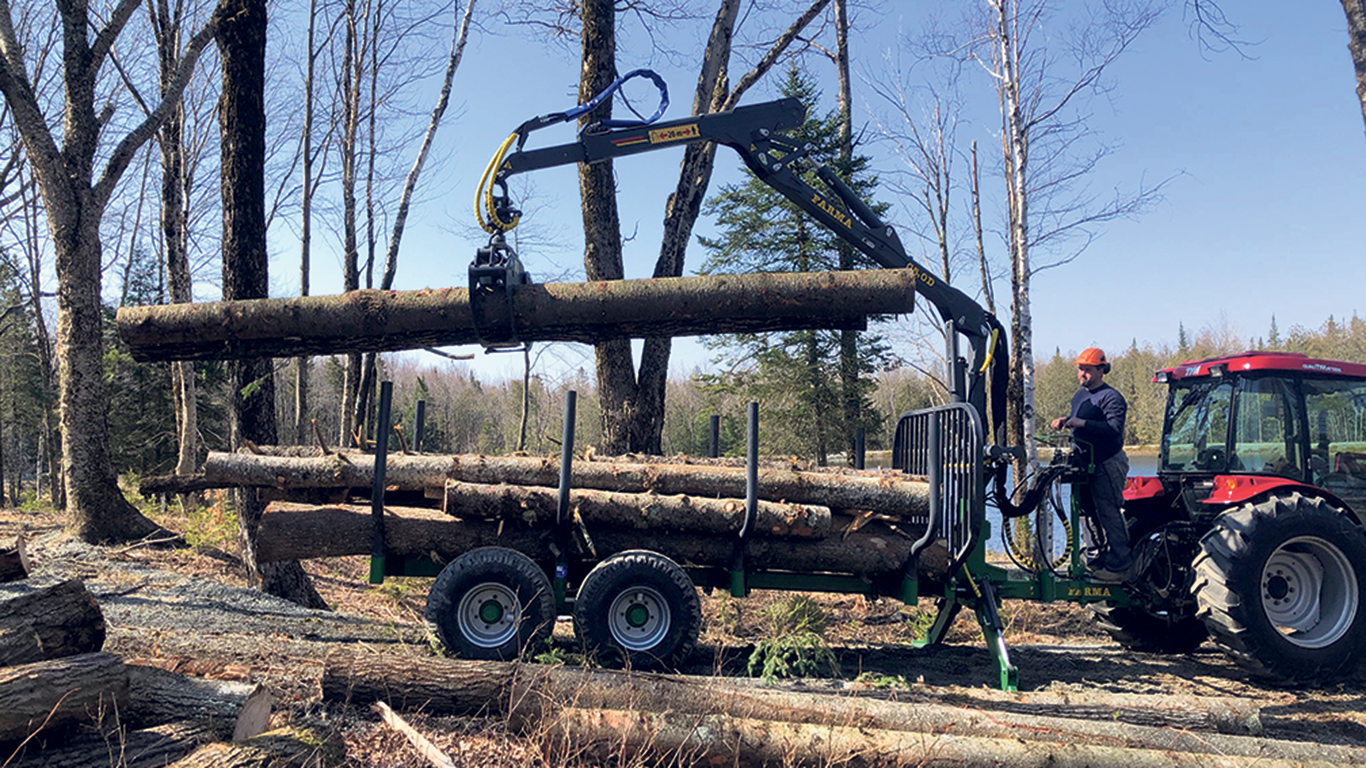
[
  {"x": 49, "y": 623},
  {"x": 890, "y": 493},
  {"x": 50, "y": 695},
  {"x": 159, "y": 697},
  {"x": 139, "y": 748},
  {"x": 296, "y": 746},
  {"x": 536, "y": 506},
  {"x": 380, "y": 321},
  {"x": 531, "y": 696},
  {"x": 626, "y": 736},
  {"x": 300, "y": 532},
  {"x": 14, "y": 565}
]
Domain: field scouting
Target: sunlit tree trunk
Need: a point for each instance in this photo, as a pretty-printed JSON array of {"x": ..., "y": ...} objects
[{"x": 1356, "y": 43}]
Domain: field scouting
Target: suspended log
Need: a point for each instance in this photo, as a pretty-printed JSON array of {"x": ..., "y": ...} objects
[
  {"x": 537, "y": 506},
  {"x": 294, "y": 746},
  {"x": 380, "y": 321},
  {"x": 626, "y": 735},
  {"x": 532, "y": 696},
  {"x": 49, "y": 623},
  {"x": 137, "y": 748},
  {"x": 238, "y": 710},
  {"x": 50, "y": 695},
  {"x": 14, "y": 565},
  {"x": 300, "y": 532},
  {"x": 890, "y": 493}
]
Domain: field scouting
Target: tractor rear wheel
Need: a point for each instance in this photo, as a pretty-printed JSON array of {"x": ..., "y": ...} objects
[{"x": 1280, "y": 585}]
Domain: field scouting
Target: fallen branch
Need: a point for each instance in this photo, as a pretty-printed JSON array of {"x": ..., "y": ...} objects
[
  {"x": 423, "y": 745},
  {"x": 296, "y": 746}
]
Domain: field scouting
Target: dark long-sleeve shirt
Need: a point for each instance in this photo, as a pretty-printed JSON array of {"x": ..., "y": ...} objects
[{"x": 1104, "y": 411}]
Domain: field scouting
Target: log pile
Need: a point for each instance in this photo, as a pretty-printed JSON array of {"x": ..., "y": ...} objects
[
  {"x": 442, "y": 506},
  {"x": 680, "y": 719},
  {"x": 66, "y": 702}
]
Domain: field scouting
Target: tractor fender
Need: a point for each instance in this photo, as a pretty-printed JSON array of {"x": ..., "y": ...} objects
[{"x": 1231, "y": 490}]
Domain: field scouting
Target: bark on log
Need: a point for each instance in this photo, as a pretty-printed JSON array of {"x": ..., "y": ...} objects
[
  {"x": 704, "y": 739},
  {"x": 297, "y": 746},
  {"x": 158, "y": 697},
  {"x": 379, "y": 321},
  {"x": 50, "y": 695},
  {"x": 299, "y": 532},
  {"x": 531, "y": 696},
  {"x": 140, "y": 748},
  {"x": 14, "y": 565},
  {"x": 50, "y": 623},
  {"x": 890, "y": 493},
  {"x": 536, "y": 506}
]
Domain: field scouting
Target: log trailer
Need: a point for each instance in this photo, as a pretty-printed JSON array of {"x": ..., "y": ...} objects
[{"x": 1250, "y": 534}]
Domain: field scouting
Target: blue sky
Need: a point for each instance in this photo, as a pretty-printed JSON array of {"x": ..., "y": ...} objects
[{"x": 1262, "y": 215}]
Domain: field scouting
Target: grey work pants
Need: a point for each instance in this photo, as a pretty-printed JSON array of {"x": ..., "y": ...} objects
[{"x": 1104, "y": 532}]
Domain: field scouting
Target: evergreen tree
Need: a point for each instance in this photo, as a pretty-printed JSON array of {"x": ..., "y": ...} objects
[{"x": 797, "y": 373}]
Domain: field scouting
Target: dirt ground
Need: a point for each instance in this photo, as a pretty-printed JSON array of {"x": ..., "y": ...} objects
[{"x": 189, "y": 610}]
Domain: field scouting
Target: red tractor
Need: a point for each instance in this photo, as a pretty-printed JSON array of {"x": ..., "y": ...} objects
[{"x": 1251, "y": 532}]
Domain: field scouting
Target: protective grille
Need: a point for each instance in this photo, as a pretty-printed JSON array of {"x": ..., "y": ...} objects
[{"x": 944, "y": 444}]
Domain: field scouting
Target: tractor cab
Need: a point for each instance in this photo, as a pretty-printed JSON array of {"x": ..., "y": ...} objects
[{"x": 1243, "y": 425}]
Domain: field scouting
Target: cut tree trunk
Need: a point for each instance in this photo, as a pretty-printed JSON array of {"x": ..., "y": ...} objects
[
  {"x": 298, "y": 531},
  {"x": 140, "y": 748},
  {"x": 890, "y": 493},
  {"x": 14, "y": 565},
  {"x": 50, "y": 695},
  {"x": 537, "y": 506},
  {"x": 532, "y": 696},
  {"x": 50, "y": 623},
  {"x": 157, "y": 697},
  {"x": 380, "y": 321},
  {"x": 626, "y": 735},
  {"x": 296, "y": 746}
]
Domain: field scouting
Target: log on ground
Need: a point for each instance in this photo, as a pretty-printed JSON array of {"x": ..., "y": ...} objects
[
  {"x": 380, "y": 321},
  {"x": 14, "y": 565},
  {"x": 297, "y": 746},
  {"x": 127, "y": 748},
  {"x": 158, "y": 697},
  {"x": 300, "y": 532},
  {"x": 50, "y": 695},
  {"x": 704, "y": 739},
  {"x": 49, "y": 623},
  {"x": 890, "y": 493},
  {"x": 531, "y": 696}
]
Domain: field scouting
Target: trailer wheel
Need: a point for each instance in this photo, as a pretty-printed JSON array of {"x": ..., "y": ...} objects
[
  {"x": 640, "y": 609},
  {"x": 1279, "y": 584},
  {"x": 491, "y": 603}
]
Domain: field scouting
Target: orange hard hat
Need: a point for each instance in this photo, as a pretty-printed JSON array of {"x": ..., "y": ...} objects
[{"x": 1091, "y": 356}]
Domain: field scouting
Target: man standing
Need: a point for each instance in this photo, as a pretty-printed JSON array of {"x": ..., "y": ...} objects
[{"x": 1097, "y": 418}]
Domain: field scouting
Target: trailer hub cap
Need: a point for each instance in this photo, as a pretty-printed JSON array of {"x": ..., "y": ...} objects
[
  {"x": 1309, "y": 591},
  {"x": 488, "y": 614},
  {"x": 639, "y": 618}
]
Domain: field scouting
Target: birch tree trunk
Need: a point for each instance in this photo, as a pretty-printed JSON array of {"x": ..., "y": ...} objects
[
  {"x": 301, "y": 364},
  {"x": 241, "y": 41},
  {"x": 1356, "y": 44},
  {"x": 352, "y": 64}
]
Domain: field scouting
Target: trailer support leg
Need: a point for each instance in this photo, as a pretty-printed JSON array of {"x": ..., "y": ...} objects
[
  {"x": 948, "y": 611},
  {"x": 989, "y": 617}
]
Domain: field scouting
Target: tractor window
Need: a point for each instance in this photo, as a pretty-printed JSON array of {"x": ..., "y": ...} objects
[
  {"x": 1266, "y": 437},
  {"x": 1197, "y": 427},
  {"x": 1337, "y": 436}
]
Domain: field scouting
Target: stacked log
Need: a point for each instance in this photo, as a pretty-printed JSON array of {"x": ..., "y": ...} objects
[{"x": 63, "y": 700}]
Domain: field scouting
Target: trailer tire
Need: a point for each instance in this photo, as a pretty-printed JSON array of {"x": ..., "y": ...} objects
[
  {"x": 492, "y": 604},
  {"x": 638, "y": 609},
  {"x": 1280, "y": 585}
]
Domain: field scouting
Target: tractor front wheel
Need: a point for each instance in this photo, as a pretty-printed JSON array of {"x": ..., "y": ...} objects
[{"x": 1280, "y": 583}]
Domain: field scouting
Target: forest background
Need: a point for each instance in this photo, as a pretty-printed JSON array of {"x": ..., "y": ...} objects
[{"x": 466, "y": 411}]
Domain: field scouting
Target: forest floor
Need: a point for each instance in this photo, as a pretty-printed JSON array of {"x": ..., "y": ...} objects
[{"x": 189, "y": 610}]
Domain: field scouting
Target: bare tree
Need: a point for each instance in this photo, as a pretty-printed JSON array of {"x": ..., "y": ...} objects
[
  {"x": 1356, "y": 45},
  {"x": 75, "y": 201}
]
